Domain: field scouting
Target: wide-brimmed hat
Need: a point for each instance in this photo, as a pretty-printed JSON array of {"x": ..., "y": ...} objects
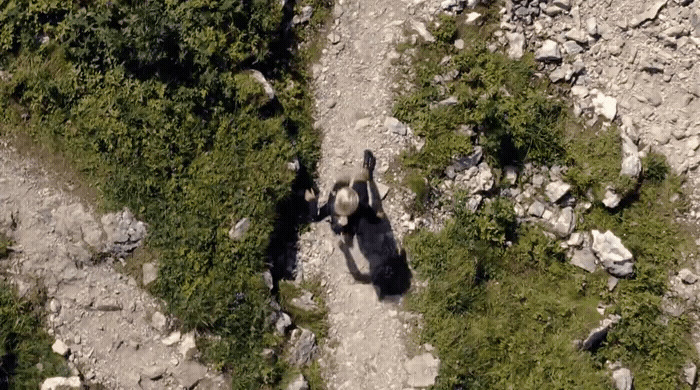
[{"x": 346, "y": 202}]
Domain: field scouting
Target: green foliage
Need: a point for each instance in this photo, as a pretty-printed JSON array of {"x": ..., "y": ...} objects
[
  {"x": 314, "y": 320},
  {"x": 4, "y": 246},
  {"x": 594, "y": 162},
  {"x": 502, "y": 306},
  {"x": 496, "y": 96},
  {"x": 153, "y": 102},
  {"x": 446, "y": 30},
  {"x": 27, "y": 358},
  {"x": 655, "y": 167}
]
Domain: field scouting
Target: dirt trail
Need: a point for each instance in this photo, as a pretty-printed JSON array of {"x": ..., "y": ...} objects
[
  {"x": 115, "y": 331},
  {"x": 353, "y": 82}
]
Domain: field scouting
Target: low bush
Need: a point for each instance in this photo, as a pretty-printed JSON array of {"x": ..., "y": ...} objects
[{"x": 154, "y": 103}]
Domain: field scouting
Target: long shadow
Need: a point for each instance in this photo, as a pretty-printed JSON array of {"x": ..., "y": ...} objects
[{"x": 388, "y": 268}]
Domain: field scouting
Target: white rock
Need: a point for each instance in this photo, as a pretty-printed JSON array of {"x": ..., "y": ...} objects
[
  {"x": 267, "y": 87},
  {"x": 172, "y": 339},
  {"x": 616, "y": 259},
  {"x": 472, "y": 17},
  {"x": 188, "y": 346},
  {"x": 55, "y": 306},
  {"x": 690, "y": 373},
  {"x": 549, "y": 52},
  {"x": 556, "y": 190},
  {"x": 536, "y": 209},
  {"x": 592, "y": 26},
  {"x": 60, "y": 348},
  {"x": 422, "y": 370},
  {"x": 511, "y": 174},
  {"x": 459, "y": 44},
  {"x": 150, "y": 273},
  {"x": 565, "y": 222},
  {"x": 579, "y": 91},
  {"x": 623, "y": 379},
  {"x": 239, "y": 229},
  {"x": 611, "y": 199},
  {"x": 395, "y": 126},
  {"x": 283, "y": 322},
  {"x": 576, "y": 239},
  {"x": 422, "y": 31},
  {"x": 631, "y": 163},
  {"x": 649, "y": 14},
  {"x": 605, "y": 105},
  {"x": 62, "y": 383},
  {"x": 159, "y": 322},
  {"x": 693, "y": 142},
  {"x": 299, "y": 383},
  {"x": 516, "y": 45}
]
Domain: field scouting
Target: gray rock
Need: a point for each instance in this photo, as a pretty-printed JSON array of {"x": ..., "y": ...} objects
[
  {"x": 623, "y": 379},
  {"x": 687, "y": 276},
  {"x": 238, "y": 230},
  {"x": 395, "y": 126},
  {"x": 536, "y": 209},
  {"x": 549, "y": 52},
  {"x": 283, "y": 322},
  {"x": 611, "y": 199},
  {"x": 450, "y": 101},
  {"x": 690, "y": 373},
  {"x": 303, "y": 348},
  {"x": 267, "y": 279},
  {"x": 422, "y": 370},
  {"x": 556, "y": 190},
  {"x": 573, "y": 48},
  {"x": 305, "y": 302},
  {"x": 305, "y": 15},
  {"x": 267, "y": 87},
  {"x": 552, "y": 11},
  {"x": 516, "y": 45},
  {"x": 631, "y": 163},
  {"x": 382, "y": 190},
  {"x": 565, "y": 222},
  {"x": 654, "y": 97},
  {"x": 153, "y": 372},
  {"x": 577, "y": 35},
  {"x": 511, "y": 174},
  {"x": 612, "y": 282},
  {"x": 62, "y": 383},
  {"x": 474, "y": 202},
  {"x": 463, "y": 163},
  {"x": 563, "y": 4},
  {"x": 60, "y": 348},
  {"x": 188, "y": 374},
  {"x": 605, "y": 105},
  {"x": 150, "y": 273},
  {"x": 575, "y": 240},
  {"x": 584, "y": 258},
  {"x": 124, "y": 233},
  {"x": 613, "y": 256},
  {"x": 597, "y": 335},
  {"x": 477, "y": 179},
  {"x": 299, "y": 383},
  {"x": 649, "y": 14},
  {"x": 558, "y": 74}
]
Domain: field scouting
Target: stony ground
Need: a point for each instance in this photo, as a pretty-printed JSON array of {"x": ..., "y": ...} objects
[
  {"x": 367, "y": 345},
  {"x": 111, "y": 330}
]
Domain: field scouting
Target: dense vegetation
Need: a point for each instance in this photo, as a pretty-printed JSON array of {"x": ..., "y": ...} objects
[
  {"x": 503, "y": 306},
  {"x": 25, "y": 348},
  {"x": 154, "y": 103}
]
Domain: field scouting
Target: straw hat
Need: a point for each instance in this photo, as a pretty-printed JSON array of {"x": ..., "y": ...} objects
[{"x": 346, "y": 202}]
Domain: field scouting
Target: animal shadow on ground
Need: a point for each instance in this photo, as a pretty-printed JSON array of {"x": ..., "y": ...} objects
[{"x": 388, "y": 268}]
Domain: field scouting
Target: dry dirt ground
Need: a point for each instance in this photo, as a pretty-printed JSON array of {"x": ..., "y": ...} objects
[{"x": 115, "y": 331}]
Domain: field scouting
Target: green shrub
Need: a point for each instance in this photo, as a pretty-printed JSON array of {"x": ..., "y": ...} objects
[
  {"x": 446, "y": 30},
  {"x": 25, "y": 348},
  {"x": 655, "y": 167},
  {"x": 152, "y": 101}
]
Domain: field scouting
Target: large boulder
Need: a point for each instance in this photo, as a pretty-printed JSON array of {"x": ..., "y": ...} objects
[
  {"x": 556, "y": 190},
  {"x": 62, "y": 383},
  {"x": 613, "y": 256},
  {"x": 584, "y": 258},
  {"x": 565, "y": 222}
]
